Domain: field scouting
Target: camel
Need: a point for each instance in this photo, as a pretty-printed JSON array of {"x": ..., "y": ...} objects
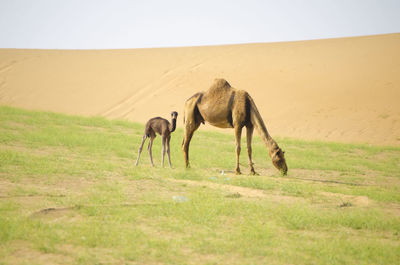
[
  {"x": 226, "y": 107},
  {"x": 163, "y": 128}
]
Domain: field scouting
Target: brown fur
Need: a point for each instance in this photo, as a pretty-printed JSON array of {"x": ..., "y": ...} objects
[
  {"x": 226, "y": 107},
  {"x": 162, "y": 127}
]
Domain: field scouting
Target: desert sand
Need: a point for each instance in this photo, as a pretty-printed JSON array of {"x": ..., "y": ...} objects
[{"x": 345, "y": 90}]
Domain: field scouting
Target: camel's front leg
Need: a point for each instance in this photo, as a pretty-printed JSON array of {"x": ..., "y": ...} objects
[
  {"x": 249, "y": 135},
  {"x": 168, "y": 151},
  {"x": 238, "y": 136},
  {"x": 163, "y": 150}
]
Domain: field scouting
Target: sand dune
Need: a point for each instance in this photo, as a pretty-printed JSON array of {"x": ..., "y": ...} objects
[{"x": 344, "y": 90}]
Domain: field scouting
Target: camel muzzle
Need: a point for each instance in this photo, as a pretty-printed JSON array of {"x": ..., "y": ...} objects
[{"x": 284, "y": 171}]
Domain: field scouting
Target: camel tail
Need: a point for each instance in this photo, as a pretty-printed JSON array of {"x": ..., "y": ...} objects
[
  {"x": 191, "y": 114},
  {"x": 147, "y": 129},
  {"x": 257, "y": 121}
]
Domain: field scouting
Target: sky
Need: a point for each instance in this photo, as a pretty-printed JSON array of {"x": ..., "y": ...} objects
[{"x": 114, "y": 24}]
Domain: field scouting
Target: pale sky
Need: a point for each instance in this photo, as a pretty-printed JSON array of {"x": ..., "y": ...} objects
[{"x": 112, "y": 24}]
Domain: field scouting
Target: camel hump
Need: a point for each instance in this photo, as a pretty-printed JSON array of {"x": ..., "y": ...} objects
[{"x": 220, "y": 83}]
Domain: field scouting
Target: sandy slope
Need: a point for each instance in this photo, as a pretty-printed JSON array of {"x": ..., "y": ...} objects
[{"x": 337, "y": 89}]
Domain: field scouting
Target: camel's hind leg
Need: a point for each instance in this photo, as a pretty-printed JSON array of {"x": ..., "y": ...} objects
[
  {"x": 140, "y": 149},
  {"x": 149, "y": 147},
  {"x": 249, "y": 135},
  {"x": 238, "y": 136},
  {"x": 192, "y": 120},
  {"x": 190, "y": 128}
]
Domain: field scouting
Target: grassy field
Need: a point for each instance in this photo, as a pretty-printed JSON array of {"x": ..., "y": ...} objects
[{"x": 70, "y": 194}]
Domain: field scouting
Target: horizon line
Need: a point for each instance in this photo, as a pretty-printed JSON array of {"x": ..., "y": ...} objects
[{"x": 198, "y": 46}]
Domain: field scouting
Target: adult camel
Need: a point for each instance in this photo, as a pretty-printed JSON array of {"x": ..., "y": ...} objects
[{"x": 226, "y": 107}]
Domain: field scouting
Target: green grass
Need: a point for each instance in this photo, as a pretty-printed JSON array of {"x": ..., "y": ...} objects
[{"x": 339, "y": 204}]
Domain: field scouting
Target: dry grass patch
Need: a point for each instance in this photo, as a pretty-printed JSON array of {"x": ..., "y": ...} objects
[{"x": 22, "y": 252}]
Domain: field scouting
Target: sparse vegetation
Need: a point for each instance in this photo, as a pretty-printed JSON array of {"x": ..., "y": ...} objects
[{"x": 70, "y": 194}]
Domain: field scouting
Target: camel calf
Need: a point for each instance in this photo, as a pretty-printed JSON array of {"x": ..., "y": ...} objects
[{"x": 162, "y": 127}]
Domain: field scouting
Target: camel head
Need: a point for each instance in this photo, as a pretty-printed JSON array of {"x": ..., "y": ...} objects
[
  {"x": 174, "y": 115},
  {"x": 278, "y": 160}
]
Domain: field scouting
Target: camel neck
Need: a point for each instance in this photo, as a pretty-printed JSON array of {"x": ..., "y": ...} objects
[
  {"x": 258, "y": 123},
  {"x": 267, "y": 139},
  {"x": 172, "y": 126}
]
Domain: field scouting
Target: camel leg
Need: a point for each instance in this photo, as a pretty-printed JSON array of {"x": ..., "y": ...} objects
[
  {"x": 168, "y": 150},
  {"x": 249, "y": 135},
  {"x": 163, "y": 149},
  {"x": 149, "y": 147},
  {"x": 190, "y": 128},
  {"x": 140, "y": 149},
  {"x": 238, "y": 136}
]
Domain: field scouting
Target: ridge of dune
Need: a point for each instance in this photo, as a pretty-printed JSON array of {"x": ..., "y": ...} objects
[{"x": 345, "y": 89}]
